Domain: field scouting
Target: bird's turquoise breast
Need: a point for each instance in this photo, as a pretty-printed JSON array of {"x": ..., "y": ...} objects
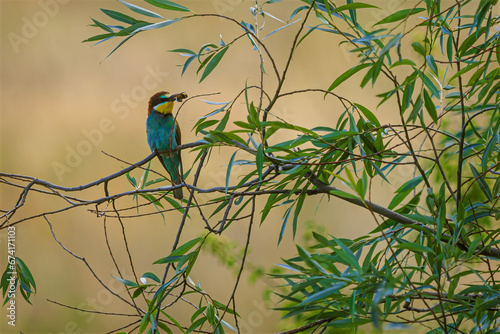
[{"x": 161, "y": 132}]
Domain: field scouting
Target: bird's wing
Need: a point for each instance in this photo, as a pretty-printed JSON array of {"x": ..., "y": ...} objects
[{"x": 178, "y": 140}]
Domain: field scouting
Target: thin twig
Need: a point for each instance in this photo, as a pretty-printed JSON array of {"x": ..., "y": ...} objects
[
  {"x": 92, "y": 311},
  {"x": 90, "y": 268}
]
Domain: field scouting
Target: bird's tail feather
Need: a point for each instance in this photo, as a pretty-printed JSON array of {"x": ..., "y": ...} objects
[
  {"x": 178, "y": 192},
  {"x": 173, "y": 165}
]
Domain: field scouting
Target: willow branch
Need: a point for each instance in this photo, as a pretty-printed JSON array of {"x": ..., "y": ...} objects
[{"x": 397, "y": 217}]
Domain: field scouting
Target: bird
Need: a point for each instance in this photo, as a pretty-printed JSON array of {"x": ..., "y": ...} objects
[{"x": 164, "y": 135}]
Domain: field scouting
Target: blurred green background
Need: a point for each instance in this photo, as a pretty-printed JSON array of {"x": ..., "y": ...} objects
[{"x": 62, "y": 105}]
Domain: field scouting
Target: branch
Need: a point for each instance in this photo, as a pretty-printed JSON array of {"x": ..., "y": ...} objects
[
  {"x": 91, "y": 311},
  {"x": 306, "y": 327},
  {"x": 91, "y": 270},
  {"x": 397, "y": 217}
]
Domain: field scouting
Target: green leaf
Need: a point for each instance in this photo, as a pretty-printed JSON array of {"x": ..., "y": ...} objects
[
  {"x": 489, "y": 149},
  {"x": 283, "y": 225},
  {"x": 407, "y": 94},
  {"x": 165, "y": 327},
  {"x": 181, "y": 261},
  {"x": 298, "y": 208},
  {"x": 414, "y": 247},
  {"x": 187, "y": 63},
  {"x": 417, "y": 107},
  {"x": 116, "y": 48},
  {"x": 343, "y": 194},
  {"x": 280, "y": 28},
  {"x": 156, "y": 25},
  {"x": 441, "y": 219},
  {"x": 321, "y": 5},
  {"x": 367, "y": 262},
  {"x": 403, "y": 62},
  {"x": 179, "y": 251},
  {"x": 24, "y": 272},
  {"x": 169, "y": 5},
  {"x": 347, "y": 255},
  {"x": 203, "y": 125},
  {"x": 244, "y": 125},
  {"x": 119, "y": 16},
  {"x": 175, "y": 204},
  {"x": 185, "y": 247},
  {"x": 411, "y": 184},
  {"x": 198, "y": 323},
  {"x": 465, "y": 70},
  {"x": 392, "y": 43},
  {"x": 348, "y": 323},
  {"x": 467, "y": 44},
  {"x": 260, "y": 160},
  {"x": 368, "y": 114},
  {"x": 497, "y": 51},
  {"x": 150, "y": 198},
  {"x": 141, "y": 10},
  {"x": 103, "y": 26},
  {"x": 25, "y": 287},
  {"x": 223, "y": 122},
  {"x": 213, "y": 63},
  {"x": 144, "y": 323},
  {"x": 186, "y": 51},
  {"x": 418, "y": 48},
  {"x": 430, "y": 84},
  {"x": 151, "y": 276},
  {"x": 347, "y": 74},
  {"x": 355, "y": 5},
  {"x": 429, "y": 105},
  {"x": 176, "y": 323},
  {"x": 324, "y": 294},
  {"x": 99, "y": 37},
  {"x": 473, "y": 246},
  {"x": 253, "y": 116},
  {"x": 481, "y": 183},
  {"x": 432, "y": 64},
  {"x": 125, "y": 281},
  {"x": 396, "y": 200},
  {"x": 453, "y": 285},
  {"x": 210, "y": 313},
  {"x": 400, "y": 15},
  {"x": 227, "y": 137},
  {"x": 138, "y": 292},
  {"x": 228, "y": 172}
]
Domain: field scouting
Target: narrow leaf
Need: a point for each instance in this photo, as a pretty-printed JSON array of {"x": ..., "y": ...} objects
[
  {"x": 169, "y": 5},
  {"x": 260, "y": 160},
  {"x": 414, "y": 247},
  {"x": 347, "y": 74},
  {"x": 141, "y": 10},
  {"x": 481, "y": 183},
  {"x": 429, "y": 105},
  {"x": 347, "y": 255},
  {"x": 400, "y": 15},
  {"x": 228, "y": 173},
  {"x": 156, "y": 25},
  {"x": 355, "y": 5},
  {"x": 213, "y": 63},
  {"x": 119, "y": 16}
]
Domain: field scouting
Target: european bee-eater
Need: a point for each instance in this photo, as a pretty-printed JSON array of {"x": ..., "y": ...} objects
[{"x": 164, "y": 134}]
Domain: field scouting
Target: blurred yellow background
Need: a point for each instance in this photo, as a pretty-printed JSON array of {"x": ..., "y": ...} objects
[{"x": 62, "y": 105}]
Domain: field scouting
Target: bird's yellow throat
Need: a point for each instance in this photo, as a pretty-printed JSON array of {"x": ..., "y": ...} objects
[{"x": 165, "y": 107}]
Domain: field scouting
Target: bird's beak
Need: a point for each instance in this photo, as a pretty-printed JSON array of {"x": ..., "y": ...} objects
[{"x": 177, "y": 97}]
